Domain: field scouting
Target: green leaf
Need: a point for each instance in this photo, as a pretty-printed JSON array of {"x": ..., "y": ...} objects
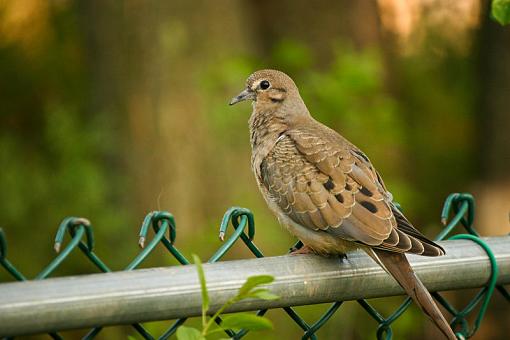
[
  {"x": 262, "y": 293},
  {"x": 248, "y": 321},
  {"x": 254, "y": 281},
  {"x": 130, "y": 337},
  {"x": 203, "y": 287},
  {"x": 188, "y": 333},
  {"x": 501, "y": 11}
]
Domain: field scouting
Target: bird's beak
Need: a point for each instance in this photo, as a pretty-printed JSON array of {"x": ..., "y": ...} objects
[{"x": 245, "y": 95}]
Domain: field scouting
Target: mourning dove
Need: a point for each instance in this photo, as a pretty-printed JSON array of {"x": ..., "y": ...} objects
[{"x": 324, "y": 189}]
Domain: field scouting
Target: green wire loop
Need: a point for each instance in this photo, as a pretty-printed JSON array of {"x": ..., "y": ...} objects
[
  {"x": 240, "y": 218},
  {"x": 8, "y": 266},
  {"x": 384, "y": 331},
  {"x": 487, "y": 291},
  {"x": 156, "y": 219},
  {"x": 233, "y": 214},
  {"x": 71, "y": 224},
  {"x": 463, "y": 207}
]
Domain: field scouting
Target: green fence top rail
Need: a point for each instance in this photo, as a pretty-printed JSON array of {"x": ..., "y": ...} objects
[{"x": 458, "y": 211}]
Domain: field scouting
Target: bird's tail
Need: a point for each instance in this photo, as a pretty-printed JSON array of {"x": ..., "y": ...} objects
[{"x": 397, "y": 265}]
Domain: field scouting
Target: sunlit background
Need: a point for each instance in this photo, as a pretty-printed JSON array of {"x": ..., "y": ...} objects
[{"x": 111, "y": 109}]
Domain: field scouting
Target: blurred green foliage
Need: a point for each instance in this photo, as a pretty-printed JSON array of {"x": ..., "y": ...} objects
[{"x": 501, "y": 11}]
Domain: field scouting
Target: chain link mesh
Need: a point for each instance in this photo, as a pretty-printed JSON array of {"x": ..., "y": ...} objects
[{"x": 458, "y": 210}]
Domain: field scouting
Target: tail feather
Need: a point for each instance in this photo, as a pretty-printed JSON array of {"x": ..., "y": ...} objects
[{"x": 396, "y": 265}]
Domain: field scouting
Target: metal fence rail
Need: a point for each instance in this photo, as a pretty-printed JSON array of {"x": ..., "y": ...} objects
[{"x": 167, "y": 293}]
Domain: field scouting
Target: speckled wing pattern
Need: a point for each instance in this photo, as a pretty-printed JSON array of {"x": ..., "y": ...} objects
[{"x": 324, "y": 183}]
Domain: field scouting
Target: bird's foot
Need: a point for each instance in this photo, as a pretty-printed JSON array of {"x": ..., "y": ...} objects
[{"x": 303, "y": 250}]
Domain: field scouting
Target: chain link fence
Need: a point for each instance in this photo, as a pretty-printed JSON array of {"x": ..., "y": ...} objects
[{"x": 458, "y": 210}]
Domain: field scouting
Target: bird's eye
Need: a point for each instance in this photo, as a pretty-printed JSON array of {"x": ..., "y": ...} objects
[{"x": 264, "y": 84}]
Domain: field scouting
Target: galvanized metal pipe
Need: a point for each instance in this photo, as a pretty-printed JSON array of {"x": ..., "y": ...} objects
[{"x": 168, "y": 293}]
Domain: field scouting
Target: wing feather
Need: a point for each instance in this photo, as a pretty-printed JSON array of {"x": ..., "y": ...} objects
[{"x": 324, "y": 183}]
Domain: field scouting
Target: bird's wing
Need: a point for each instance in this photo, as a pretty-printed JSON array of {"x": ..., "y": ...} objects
[{"x": 323, "y": 182}]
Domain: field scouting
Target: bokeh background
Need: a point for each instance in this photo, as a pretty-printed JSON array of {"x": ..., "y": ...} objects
[{"x": 111, "y": 109}]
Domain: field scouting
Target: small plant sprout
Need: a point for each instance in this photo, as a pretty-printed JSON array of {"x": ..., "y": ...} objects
[{"x": 250, "y": 289}]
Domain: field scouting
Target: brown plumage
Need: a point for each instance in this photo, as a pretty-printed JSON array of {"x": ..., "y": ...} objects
[{"x": 325, "y": 191}]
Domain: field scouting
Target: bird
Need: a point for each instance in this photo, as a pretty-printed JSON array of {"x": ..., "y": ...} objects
[{"x": 325, "y": 191}]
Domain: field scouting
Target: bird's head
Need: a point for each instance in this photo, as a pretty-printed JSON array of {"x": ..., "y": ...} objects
[{"x": 268, "y": 88}]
